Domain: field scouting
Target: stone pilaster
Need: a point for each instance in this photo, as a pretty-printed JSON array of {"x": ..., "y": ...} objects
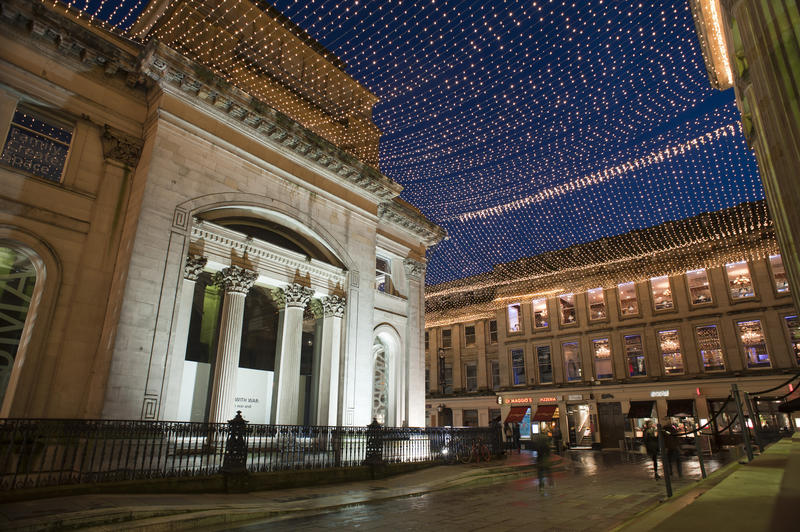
[
  {"x": 414, "y": 386},
  {"x": 328, "y": 388}
]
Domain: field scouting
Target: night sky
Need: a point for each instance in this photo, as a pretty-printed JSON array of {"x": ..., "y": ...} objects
[{"x": 523, "y": 127}]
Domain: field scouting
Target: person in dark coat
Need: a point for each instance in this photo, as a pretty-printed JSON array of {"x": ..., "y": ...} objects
[
  {"x": 672, "y": 444},
  {"x": 651, "y": 445},
  {"x": 557, "y": 437},
  {"x": 517, "y": 443}
]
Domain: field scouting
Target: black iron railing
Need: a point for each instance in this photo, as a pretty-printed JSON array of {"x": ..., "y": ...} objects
[{"x": 49, "y": 452}]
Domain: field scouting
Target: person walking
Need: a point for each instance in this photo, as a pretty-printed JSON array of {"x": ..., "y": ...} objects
[
  {"x": 651, "y": 445},
  {"x": 672, "y": 443},
  {"x": 517, "y": 443},
  {"x": 557, "y": 437}
]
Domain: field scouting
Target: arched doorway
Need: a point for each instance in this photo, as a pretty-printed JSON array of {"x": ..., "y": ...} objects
[{"x": 380, "y": 383}]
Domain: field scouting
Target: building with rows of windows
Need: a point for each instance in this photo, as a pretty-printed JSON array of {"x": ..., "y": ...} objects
[{"x": 599, "y": 348}]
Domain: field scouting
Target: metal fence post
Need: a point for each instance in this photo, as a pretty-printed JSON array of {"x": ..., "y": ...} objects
[
  {"x": 751, "y": 411},
  {"x": 745, "y": 431},
  {"x": 697, "y": 448},
  {"x": 665, "y": 466}
]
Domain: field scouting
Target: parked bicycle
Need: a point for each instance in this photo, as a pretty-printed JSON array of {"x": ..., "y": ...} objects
[{"x": 478, "y": 452}]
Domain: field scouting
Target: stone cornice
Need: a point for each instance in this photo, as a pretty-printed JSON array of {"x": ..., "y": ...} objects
[{"x": 412, "y": 221}]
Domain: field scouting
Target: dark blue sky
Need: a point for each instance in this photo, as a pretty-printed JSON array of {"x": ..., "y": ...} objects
[{"x": 491, "y": 102}]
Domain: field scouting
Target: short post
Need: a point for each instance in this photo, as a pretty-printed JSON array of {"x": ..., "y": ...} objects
[
  {"x": 745, "y": 431},
  {"x": 697, "y": 447},
  {"x": 374, "y": 443},
  {"x": 665, "y": 467},
  {"x": 234, "y": 465},
  {"x": 751, "y": 411}
]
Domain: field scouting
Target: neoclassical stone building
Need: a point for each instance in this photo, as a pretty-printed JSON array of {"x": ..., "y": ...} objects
[{"x": 180, "y": 241}]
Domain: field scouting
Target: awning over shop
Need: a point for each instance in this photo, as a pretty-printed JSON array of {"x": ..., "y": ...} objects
[
  {"x": 516, "y": 414},
  {"x": 680, "y": 407},
  {"x": 641, "y": 409},
  {"x": 544, "y": 413},
  {"x": 790, "y": 406}
]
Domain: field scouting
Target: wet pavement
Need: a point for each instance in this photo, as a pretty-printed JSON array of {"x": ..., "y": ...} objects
[{"x": 593, "y": 491}]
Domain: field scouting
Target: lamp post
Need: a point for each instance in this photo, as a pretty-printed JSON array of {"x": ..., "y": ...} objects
[{"x": 442, "y": 382}]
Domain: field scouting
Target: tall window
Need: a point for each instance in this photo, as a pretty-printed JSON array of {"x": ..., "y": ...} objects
[
  {"x": 427, "y": 380},
  {"x": 566, "y": 307},
  {"x": 779, "y": 274},
  {"x": 383, "y": 275},
  {"x": 628, "y": 302},
  {"x": 469, "y": 335},
  {"x": 545, "y": 364},
  {"x": 471, "y": 376},
  {"x": 447, "y": 338},
  {"x": 518, "y": 366},
  {"x": 37, "y": 144},
  {"x": 597, "y": 304},
  {"x": 602, "y": 358},
  {"x": 793, "y": 324},
  {"x": 495, "y": 375},
  {"x": 427, "y": 340},
  {"x": 379, "y": 388},
  {"x": 699, "y": 287},
  {"x": 469, "y": 418},
  {"x": 540, "y": 318},
  {"x": 662, "y": 293},
  {"x": 572, "y": 361},
  {"x": 754, "y": 344},
  {"x": 448, "y": 378},
  {"x": 710, "y": 348},
  {"x": 493, "y": 331},
  {"x": 514, "y": 317},
  {"x": 740, "y": 283},
  {"x": 670, "y": 344},
  {"x": 634, "y": 355}
]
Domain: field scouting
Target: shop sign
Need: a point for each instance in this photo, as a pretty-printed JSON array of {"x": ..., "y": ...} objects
[
  {"x": 499, "y": 399},
  {"x": 548, "y": 399},
  {"x": 659, "y": 393},
  {"x": 517, "y": 400},
  {"x": 575, "y": 397}
]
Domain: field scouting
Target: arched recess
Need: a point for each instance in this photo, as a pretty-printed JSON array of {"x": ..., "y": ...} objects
[
  {"x": 387, "y": 349},
  {"x": 31, "y": 377}
]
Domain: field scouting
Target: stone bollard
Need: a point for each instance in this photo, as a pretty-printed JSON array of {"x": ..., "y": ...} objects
[{"x": 234, "y": 465}]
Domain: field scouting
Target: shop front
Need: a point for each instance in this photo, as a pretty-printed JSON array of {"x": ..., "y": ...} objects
[{"x": 532, "y": 415}]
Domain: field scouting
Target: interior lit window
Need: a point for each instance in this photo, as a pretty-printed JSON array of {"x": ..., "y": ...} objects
[
  {"x": 628, "y": 302},
  {"x": 699, "y": 287},
  {"x": 572, "y": 361},
  {"x": 662, "y": 293},
  {"x": 779, "y": 274},
  {"x": 566, "y": 305},
  {"x": 754, "y": 344},
  {"x": 602, "y": 358},
  {"x": 670, "y": 344},
  {"x": 793, "y": 324},
  {"x": 634, "y": 355},
  {"x": 540, "y": 318},
  {"x": 710, "y": 348},
  {"x": 597, "y": 303},
  {"x": 740, "y": 283},
  {"x": 514, "y": 317}
]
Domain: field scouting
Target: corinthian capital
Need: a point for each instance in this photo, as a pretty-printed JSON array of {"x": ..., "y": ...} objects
[
  {"x": 193, "y": 267},
  {"x": 415, "y": 270},
  {"x": 236, "y": 279},
  {"x": 297, "y": 295},
  {"x": 333, "y": 306}
]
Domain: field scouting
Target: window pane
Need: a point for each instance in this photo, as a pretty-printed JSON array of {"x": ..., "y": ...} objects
[
  {"x": 540, "y": 318},
  {"x": 37, "y": 144},
  {"x": 495, "y": 375},
  {"x": 779, "y": 274},
  {"x": 469, "y": 335},
  {"x": 739, "y": 281},
  {"x": 699, "y": 287},
  {"x": 634, "y": 355},
  {"x": 427, "y": 380},
  {"x": 383, "y": 276},
  {"x": 447, "y": 338},
  {"x": 518, "y": 366},
  {"x": 602, "y": 358},
  {"x": 572, "y": 361},
  {"x": 597, "y": 304},
  {"x": 545, "y": 364},
  {"x": 427, "y": 339},
  {"x": 566, "y": 305},
  {"x": 514, "y": 312},
  {"x": 710, "y": 348},
  {"x": 754, "y": 344},
  {"x": 628, "y": 302},
  {"x": 662, "y": 294},
  {"x": 493, "y": 331},
  {"x": 471, "y": 373},
  {"x": 448, "y": 378},
  {"x": 670, "y": 343},
  {"x": 469, "y": 418},
  {"x": 793, "y": 323}
]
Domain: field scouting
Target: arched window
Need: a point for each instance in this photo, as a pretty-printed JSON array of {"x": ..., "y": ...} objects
[{"x": 379, "y": 384}]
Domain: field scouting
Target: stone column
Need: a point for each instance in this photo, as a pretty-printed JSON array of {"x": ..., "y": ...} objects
[
  {"x": 191, "y": 271},
  {"x": 328, "y": 387},
  {"x": 286, "y": 386},
  {"x": 236, "y": 282},
  {"x": 414, "y": 416}
]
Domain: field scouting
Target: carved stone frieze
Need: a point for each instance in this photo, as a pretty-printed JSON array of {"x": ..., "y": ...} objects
[
  {"x": 297, "y": 295},
  {"x": 194, "y": 267},
  {"x": 412, "y": 221},
  {"x": 121, "y": 147},
  {"x": 415, "y": 270},
  {"x": 334, "y": 306},
  {"x": 236, "y": 279}
]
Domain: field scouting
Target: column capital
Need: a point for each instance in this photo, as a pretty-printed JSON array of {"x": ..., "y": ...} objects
[
  {"x": 333, "y": 306},
  {"x": 193, "y": 267},
  {"x": 297, "y": 295},
  {"x": 236, "y": 279},
  {"x": 415, "y": 270}
]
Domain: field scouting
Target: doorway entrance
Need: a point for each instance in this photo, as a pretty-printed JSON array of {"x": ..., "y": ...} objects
[
  {"x": 580, "y": 427},
  {"x": 612, "y": 425}
]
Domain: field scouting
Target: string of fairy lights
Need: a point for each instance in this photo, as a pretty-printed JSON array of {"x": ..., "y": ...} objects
[{"x": 519, "y": 126}]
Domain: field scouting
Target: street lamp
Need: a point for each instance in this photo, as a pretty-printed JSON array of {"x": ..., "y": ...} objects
[{"x": 441, "y": 370}]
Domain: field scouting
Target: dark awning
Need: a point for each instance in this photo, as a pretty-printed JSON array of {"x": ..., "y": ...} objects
[
  {"x": 641, "y": 409},
  {"x": 544, "y": 413},
  {"x": 680, "y": 407},
  {"x": 516, "y": 414},
  {"x": 790, "y": 406}
]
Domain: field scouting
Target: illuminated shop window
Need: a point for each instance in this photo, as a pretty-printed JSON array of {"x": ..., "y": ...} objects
[
  {"x": 495, "y": 375},
  {"x": 37, "y": 144},
  {"x": 518, "y": 366},
  {"x": 540, "y": 318},
  {"x": 383, "y": 275},
  {"x": 566, "y": 306},
  {"x": 602, "y": 358},
  {"x": 670, "y": 344},
  {"x": 779, "y": 274},
  {"x": 634, "y": 355},
  {"x": 471, "y": 377},
  {"x": 793, "y": 324},
  {"x": 469, "y": 335},
  {"x": 628, "y": 302},
  {"x": 699, "y": 287},
  {"x": 754, "y": 344},
  {"x": 662, "y": 293},
  {"x": 545, "y": 364},
  {"x": 493, "y": 331},
  {"x": 572, "y": 361},
  {"x": 740, "y": 283},
  {"x": 597, "y": 304},
  {"x": 710, "y": 348},
  {"x": 514, "y": 317},
  {"x": 447, "y": 338}
]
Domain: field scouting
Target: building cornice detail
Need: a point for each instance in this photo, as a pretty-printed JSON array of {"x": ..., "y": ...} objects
[{"x": 411, "y": 221}]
